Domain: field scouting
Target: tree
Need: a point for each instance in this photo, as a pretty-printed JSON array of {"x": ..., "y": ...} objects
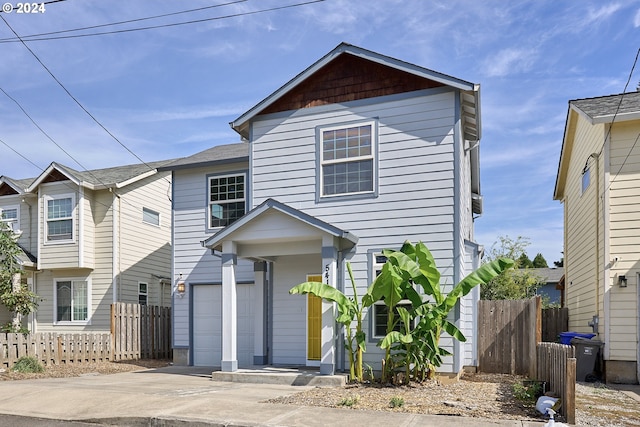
[
  {"x": 559, "y": 263},
  {"x": 540, "y": 262},
  {"x": 13, "y": 293},
  {"x": 524, "y": 261},
  {"x": 514, "y": 283}
]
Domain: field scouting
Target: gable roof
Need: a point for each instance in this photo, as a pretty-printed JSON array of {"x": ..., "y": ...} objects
[
  {"x": 602, "y": 109},
  {"x": 220, "y": 154},
  {"x": 215, "y": 241},
  {"x": 115, "y": 177},
  {"x": 470, "y": 104},
  {"x": 549, "y": 275},
  {"x": 10, "y": 186}
]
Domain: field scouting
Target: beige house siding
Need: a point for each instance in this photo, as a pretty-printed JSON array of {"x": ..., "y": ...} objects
[
  {"x": 624, "y": 223},
  {"x": 87, "y": 222},
  {"x": 145, "y": 252},
  {"x": 63, "y": 254},
  {"x": 580, "y": 227}
]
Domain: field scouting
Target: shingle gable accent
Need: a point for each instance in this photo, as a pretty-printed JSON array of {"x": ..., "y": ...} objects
[{"x": 349, "y": 78}]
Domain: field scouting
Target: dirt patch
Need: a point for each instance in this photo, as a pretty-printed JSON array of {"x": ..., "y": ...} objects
[
  {"x": 85, "y": 368},
  {"x": 475, "y": 395}
]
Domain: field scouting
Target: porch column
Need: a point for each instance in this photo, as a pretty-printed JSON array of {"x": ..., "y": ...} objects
[
  {"x": 259, "y": 332},
  {"x": 328, "y": 353},
  {"x": 229, "y": 308}
]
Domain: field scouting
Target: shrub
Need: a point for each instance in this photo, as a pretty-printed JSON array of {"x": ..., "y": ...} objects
[
  {"x": 396, "y": 402},
  {"x": 27, "y": 364},
  {"x": 350, "y": 400},
  {"x": 526, "y": 392}
]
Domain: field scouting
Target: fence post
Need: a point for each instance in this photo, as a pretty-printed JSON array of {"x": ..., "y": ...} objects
[{"x": 570, "y": 391}]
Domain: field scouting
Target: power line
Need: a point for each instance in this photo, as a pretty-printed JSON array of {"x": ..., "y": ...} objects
[
  {"x": 175, "y": 24},
  {"x": 73, "y": 97},
  {"x": 13, "y": 39}
]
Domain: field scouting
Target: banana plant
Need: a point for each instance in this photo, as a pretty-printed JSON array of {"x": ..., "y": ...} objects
[
  {"x": 350, "y": 310},
  {"x": 411, "y": 266}
]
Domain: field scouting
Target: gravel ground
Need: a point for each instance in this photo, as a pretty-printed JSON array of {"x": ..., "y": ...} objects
[{"x": 475, "y": 395}]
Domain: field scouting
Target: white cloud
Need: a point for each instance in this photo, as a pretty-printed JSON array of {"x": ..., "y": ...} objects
[
  {"x": 636, "y": 19},
  {"x": 509, "y": 61}
]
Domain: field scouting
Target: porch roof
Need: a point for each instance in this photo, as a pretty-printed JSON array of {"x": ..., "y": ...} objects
[{"x": 274, "y": 228}]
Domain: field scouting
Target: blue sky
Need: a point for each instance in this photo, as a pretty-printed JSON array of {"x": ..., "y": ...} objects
[{"x": 171, "y": 92}]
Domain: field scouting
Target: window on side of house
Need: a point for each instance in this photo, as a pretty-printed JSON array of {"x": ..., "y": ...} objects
[
  {"x": 72, "y": 300},
  {"x": 59, "y": 218},
  {"x": 143, "y": 293},
  {"x": 586, "y": 179},
  {"x": 226, "y": 199},
  {"x": 347, "y": 159},
  {"x": 10, "y": 215},
  {"x": 150, "y": 217},
  {"x": 380, "y": 315}
]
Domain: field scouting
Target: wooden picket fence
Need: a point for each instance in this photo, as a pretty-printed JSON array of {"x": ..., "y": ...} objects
[
  {"x": 554, "y": 321},
  {"x": 556, "y": 365},
  {"x": 140, "y": 331},
  {"x": 54, "y": 348}
]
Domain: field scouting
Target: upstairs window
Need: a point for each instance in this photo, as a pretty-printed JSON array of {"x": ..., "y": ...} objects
[
  {"x": 347, "y": 159},
  {"x": 59, "y": 217},
  {"x": 586, "y": 179},
  {"x": 226, "y": 199},
  {"x": 150, "y": 217},
  {"x": 10, "y": 215}
]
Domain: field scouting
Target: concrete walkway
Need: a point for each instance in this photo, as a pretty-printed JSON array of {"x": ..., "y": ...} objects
[{"x": 181, "y": 396}]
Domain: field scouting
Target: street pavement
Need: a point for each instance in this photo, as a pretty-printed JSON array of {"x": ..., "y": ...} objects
[{"x": 186, "y": 396}]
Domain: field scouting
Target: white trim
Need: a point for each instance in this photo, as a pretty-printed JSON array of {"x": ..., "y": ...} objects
[
  {"x": 87, "y": 280},
  {"x": 606, "y": 232},
  {"x": 80, "y": 207},
  {"x": 11, "y": 221},
  {"x": 209, "y": 202},
  {"x": 115, "y": 253},
  {"x": 151, "y": 212},
  {"x": 347, "y": 160},
  {"x": 401, "y": 303},
  {"x": 45, "y": 217},
  {"x": 145, "y": 293}
]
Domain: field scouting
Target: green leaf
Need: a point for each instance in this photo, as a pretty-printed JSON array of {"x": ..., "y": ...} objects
[{"x": 452, "y": 330}]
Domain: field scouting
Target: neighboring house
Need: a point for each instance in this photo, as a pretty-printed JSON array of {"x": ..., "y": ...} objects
[
  {"x": 90, "y": 239},
  {"x": 551, "y": 289},
  {"x": 356, "y": 154},
  {"x": 598, "y": 183}
]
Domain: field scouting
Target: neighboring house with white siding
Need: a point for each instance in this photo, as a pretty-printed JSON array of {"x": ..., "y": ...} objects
[
  {"x": 598, "y": 183},
  {"x": 89, "y": 239},
  {"x": 356, "y": 154}
]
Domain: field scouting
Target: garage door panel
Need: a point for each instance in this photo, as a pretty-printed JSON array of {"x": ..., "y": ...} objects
[{"x": 207, "y": 325}]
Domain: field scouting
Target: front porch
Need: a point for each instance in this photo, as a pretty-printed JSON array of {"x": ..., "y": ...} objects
[{"x": 297, "y": 376}]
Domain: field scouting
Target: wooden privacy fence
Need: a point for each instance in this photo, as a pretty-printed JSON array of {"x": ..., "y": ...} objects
[
  {"x": 554, "y": 321},
  {"x": 556, "y": 365},
  {"x": 54, "y": 348},
  {"x": 140, "y": 331},
  {"x": 508, "y": 331}
]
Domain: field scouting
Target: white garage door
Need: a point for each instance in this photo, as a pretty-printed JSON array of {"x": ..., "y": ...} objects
[{"x": 207, "y": 325}]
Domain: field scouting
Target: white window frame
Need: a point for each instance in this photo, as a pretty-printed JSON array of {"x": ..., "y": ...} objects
[
  {"x": 47, "y": 199},
  {"x": 13, "y": 223},
  {"x": 211, "y": 203},
  {"x": 144, "y": 293},
  {"x": 146, "y": 212},
  {"x": 347, "y": 160},
  {"x": 72, "y": 280},
  {"x": 379, "y": 304}
]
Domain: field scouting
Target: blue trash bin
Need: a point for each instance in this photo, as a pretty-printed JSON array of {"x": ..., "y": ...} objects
[{"x": 566, "y": 337}]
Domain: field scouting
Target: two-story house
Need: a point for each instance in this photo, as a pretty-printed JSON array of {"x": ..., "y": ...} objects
[
  {"x": 356, "y": 154},
  {"x": 598, "y": 182},
  {"x": 91, "y": 238}
]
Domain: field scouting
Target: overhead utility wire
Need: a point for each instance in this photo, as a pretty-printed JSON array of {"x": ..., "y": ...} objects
[
  {"x": 614, "y": 118},
  {"x": 175, "y": 24},
  {"x": 73, "y": 97},
  {"x": 13, "y": 39}
]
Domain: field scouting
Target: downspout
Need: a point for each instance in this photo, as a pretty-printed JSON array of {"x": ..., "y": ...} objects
[{"x": 596, "y": 318}]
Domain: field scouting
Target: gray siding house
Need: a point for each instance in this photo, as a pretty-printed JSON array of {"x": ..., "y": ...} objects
[{"x": 357, "y": 153}]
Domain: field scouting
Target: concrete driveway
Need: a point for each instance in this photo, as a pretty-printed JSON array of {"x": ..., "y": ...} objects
[{"x": 179, "y": 396}]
